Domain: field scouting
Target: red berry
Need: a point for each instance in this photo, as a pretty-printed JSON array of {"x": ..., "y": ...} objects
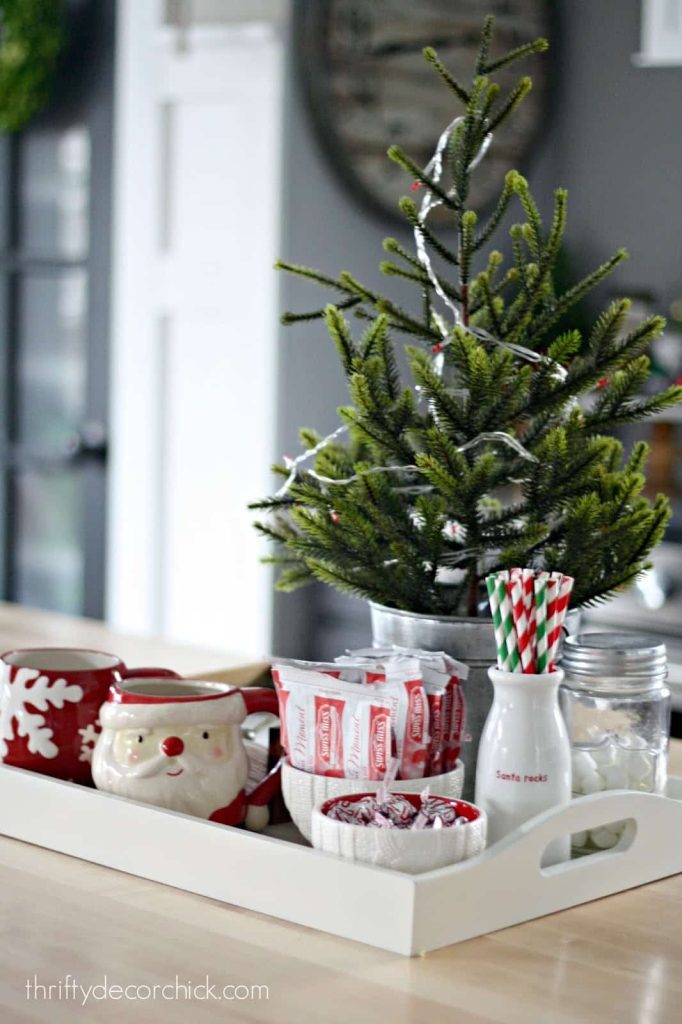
[
  {"x": 416, "y": 185},
  {"x": 603, "y": 383}
]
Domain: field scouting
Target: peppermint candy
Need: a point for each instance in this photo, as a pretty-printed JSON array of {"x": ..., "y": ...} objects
[{"x": 393, "y": 810}]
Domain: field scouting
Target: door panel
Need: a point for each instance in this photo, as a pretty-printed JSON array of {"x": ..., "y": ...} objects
[
  {"x": 198, "y": 186},
  {"x": 49, "y": 554},
  {"x": 51, "y": 366},
  {"x": 54, "y": 192}
]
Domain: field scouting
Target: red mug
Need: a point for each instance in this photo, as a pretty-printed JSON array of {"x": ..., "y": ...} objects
[{"x": 49, "y": 703}]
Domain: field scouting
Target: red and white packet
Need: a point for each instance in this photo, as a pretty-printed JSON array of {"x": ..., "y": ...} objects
[
  {"x": 442, "y": 676},
  {"x": 331, "y": 727},
  {"x": 436, "y": 696},
  {"x": 396, "y": 679},
  {"x": 400, "y": 679}
]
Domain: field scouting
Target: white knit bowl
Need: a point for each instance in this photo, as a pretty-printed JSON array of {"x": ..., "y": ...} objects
[
  {"x": 302, "y": 790},
  {"x": 408, "y": 850}
]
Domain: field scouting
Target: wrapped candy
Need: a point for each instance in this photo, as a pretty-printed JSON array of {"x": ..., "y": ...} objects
[{"x": 393, "y": 810}]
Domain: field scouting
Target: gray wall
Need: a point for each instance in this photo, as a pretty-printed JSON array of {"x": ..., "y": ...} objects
[
  {"x": 323, "y": 228},
  {"x": 614, "y": 140},
  {"x": 617, "y": 147}
]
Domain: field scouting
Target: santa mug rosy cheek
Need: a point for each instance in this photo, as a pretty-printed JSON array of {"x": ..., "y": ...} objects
[
  {"x": 49, "y": 701},
  {"x": 179, "y": 745}
]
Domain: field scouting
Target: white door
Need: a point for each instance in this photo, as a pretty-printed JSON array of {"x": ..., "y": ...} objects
[{"x": 197, "y": 185}]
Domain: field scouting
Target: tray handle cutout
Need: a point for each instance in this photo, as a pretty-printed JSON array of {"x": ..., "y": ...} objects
[
  {"x": 627, "y": 831},
  {"x": 650, "y": 821}
]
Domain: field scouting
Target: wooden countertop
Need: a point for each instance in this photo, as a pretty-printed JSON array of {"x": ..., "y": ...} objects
[
  {"x": 613, "y": 961},
  {"x": 29, "y": 627}
]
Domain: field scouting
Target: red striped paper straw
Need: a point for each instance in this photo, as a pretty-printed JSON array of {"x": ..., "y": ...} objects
[
  {"x": 565, "y": 588},
  {"x": 528, "y": 580},
  {"x": 552, "y": 596},
  {"x": 516, "y": 597}
]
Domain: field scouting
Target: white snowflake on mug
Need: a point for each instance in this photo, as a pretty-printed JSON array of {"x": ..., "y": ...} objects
[
  {"x": 30, "y": 687},
  {"x": 88, "y": 737}
]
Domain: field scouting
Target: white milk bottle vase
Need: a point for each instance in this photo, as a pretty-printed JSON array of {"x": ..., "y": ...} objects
[{"x": 524, "y": 758}]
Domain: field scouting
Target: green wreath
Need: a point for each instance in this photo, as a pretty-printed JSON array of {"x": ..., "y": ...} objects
[{"x": 31, "y": 36}]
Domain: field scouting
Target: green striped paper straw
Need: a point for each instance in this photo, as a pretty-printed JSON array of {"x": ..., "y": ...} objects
[
  {"x": 541, "y": 650},
  {"x": 500, "y": 638},
  {"x": 505, "y": 637}
]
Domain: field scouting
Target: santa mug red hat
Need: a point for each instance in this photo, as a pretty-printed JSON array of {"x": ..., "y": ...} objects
[{"x": 179, "y": 745}]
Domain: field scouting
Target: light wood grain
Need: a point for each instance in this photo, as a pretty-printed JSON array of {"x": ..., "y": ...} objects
[
  {"x": 614, "y": 961},
  {"x": 29, "y": 627}
]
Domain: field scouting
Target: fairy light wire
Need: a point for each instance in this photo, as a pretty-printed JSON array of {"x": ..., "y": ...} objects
[{"x": 430, "y": 201}]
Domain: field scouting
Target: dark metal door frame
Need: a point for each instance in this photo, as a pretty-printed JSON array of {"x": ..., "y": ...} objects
[{"x": 84, "y": 83}]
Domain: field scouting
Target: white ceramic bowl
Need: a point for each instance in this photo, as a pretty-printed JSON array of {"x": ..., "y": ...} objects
[
  {"x": 302, "y": 791},
  {"x": 409, "y": 850}
]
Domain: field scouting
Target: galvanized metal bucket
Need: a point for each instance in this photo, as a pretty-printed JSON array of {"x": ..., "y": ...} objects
[{"x": 469, "y": 640}]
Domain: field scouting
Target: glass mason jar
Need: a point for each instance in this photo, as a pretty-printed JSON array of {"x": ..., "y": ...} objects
[{"x": 616, "y": 705}]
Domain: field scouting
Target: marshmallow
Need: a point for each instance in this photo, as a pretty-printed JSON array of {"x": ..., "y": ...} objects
[
  {"x": 592, "y": 782},
  {"x": 579, "y": 839},
  {"x": 640, "y": 766},
  {"x": 604, "y": 755},
  {"x": 603, "y": 838},
  {"x": 632, "y": 742},
  {"x": 582, "y": 763},
  {"x": 625, "y": 762},
  {"x": 615, "y": 777}
]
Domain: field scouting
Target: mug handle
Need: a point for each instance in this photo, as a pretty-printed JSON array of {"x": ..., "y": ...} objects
[
  {"x": 259, "y": 699},
  {"x": 149, "y": 673},
  {"x": 267, "y": 788}
]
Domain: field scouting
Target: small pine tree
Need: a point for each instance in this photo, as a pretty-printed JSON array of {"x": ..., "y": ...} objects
[{"x": 497, "y": 454}]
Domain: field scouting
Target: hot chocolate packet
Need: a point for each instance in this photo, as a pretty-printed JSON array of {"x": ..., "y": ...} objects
[
  {"x": 331, "y": 727},
  {"x": 442, "y": 675},
  {"x": 399, "y": 678}
]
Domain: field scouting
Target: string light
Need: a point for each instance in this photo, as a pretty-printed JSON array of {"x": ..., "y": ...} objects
[
  {"x": 434, "y": 169},
  {"x": 487, "y": 437}
]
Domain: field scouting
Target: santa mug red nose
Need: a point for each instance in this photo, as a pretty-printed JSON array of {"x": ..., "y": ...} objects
[
  {"x": 178, "y": 744},
  {"x": 172, "y": 746}
]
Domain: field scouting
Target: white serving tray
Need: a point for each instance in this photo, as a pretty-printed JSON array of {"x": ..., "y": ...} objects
[{"x": 406, "y": 914}]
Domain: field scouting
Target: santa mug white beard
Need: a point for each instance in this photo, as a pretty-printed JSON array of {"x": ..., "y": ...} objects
[{"x": 179, "y": 746}]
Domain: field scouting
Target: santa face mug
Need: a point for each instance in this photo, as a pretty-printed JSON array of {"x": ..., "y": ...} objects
[
  {"x": 49, "y": 701},
  {"x": 179, "y": 745}
]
